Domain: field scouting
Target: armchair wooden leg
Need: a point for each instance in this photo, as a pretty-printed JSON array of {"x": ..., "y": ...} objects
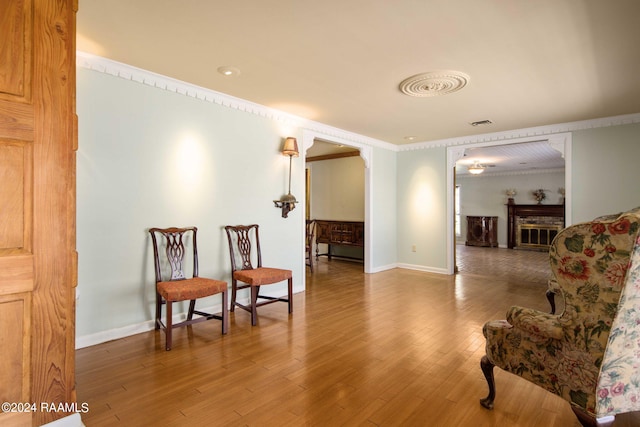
[
  {"x": 586, "y": 420},
  {"x": 487, "y": 370},
  {"x": 168, "y": 325},
  {"x": 551, "y": 297}
]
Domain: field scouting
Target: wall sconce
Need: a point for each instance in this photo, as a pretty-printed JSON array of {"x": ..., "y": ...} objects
[{"x": 288, "y": 202}]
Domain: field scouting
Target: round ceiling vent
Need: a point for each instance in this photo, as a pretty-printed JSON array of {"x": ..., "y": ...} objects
[{"x": 434, "y": 83}]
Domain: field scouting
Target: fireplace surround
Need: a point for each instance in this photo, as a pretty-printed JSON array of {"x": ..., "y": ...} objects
[{"x": 533, "y": 226}]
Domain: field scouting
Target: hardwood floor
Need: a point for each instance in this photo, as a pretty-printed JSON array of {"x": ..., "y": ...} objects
[{"x": 395, "y": 348}]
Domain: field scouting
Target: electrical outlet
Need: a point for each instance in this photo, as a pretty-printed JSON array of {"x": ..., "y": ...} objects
[{"x": 413, "y": 248}]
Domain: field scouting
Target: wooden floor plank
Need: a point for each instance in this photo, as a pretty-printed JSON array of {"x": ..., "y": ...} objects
[{"x": 399, "y": 347}]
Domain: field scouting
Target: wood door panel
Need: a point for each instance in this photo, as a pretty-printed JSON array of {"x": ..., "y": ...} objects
[
  {"x": 16, "y": 120},
  {"x": 38, "y": 262},
  {"x": 15, "y": 49},
  {"x": 16, "y": 160},
  {"x": 14, "y": 338}
]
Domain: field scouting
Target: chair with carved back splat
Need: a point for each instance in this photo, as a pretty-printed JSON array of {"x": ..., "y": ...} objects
[
  {"x": 180, "y": 288},
  {"x": 309, "y": 235},
  {"x": 244, "y": 246}
]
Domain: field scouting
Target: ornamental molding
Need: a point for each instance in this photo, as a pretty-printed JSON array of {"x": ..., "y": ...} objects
[
  {"x": 434, "y": 83},
  {"x": 138, "y": 75},
  {"x": 527, "y": 134}
]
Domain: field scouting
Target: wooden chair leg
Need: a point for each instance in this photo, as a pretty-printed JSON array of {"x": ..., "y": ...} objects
[
  {"x": 168, "y": 326},
  {"x": 158, "y": 310},
  {"x": 234, "y": 285},
  {"x": 487, "y": 370},
  {"x": 225, "y": 313},
  {"x": 254, "y": 301},
  {"x": 290, "y": 293},
  {"x": 192, "y": 307}
]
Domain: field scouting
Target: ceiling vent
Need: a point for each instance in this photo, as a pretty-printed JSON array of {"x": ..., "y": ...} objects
[
  {"x": 434, "y": 83},
  {"x": 481, "y": 122}
]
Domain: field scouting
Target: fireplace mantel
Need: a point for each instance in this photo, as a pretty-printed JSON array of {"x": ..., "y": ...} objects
[{"x": 519, "y": 211}]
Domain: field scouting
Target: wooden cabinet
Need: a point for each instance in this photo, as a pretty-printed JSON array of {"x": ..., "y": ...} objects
[
  {"x": 482, "y": 231},
  {"x": 342, "y": 233}
]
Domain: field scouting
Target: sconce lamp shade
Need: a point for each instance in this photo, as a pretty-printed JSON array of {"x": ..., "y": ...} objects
[{"x": 290, "y": 147}]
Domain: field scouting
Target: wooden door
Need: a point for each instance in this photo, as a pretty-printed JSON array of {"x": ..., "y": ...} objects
[{"x": 38, "y": 262}]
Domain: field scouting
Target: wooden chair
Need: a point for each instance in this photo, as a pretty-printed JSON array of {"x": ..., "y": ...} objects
[
  {"x": 177, "y": 287},
  {"x": 310, "y": 234},
  {"x": 244, "y": 247}
]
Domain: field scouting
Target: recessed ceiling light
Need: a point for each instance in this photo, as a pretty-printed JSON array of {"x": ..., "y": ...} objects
[
  {"x": 410, "y": 138},
  {"x": 228, "y": 71}
]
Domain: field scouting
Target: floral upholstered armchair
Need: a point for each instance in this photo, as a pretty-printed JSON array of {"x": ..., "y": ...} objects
[{"x": 590, "y": 353}]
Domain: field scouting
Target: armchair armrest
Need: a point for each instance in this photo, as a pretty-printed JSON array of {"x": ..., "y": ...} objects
[{"x": 535, "y": 322}]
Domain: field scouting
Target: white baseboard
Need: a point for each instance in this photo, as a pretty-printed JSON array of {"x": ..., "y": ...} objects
[
  {"x": 423, "y": 268},
  {"x": 126, "y": 331},
  {"x": 384, "y": 268}
]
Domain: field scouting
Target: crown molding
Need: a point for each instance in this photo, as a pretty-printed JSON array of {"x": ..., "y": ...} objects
[
  {"x": 138, "y": 75},
  {"x": 526, "y": 134}
]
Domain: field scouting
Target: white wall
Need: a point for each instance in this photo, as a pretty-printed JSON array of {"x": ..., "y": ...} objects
[{"x": 484, "y": 195}]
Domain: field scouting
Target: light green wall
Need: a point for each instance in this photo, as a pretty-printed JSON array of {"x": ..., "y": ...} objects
[
  {"x": 152, "y": 158},
  {"x": 605, "y": 171},
  {"x": 383, "y": 210},
  {"x": 422, "y": 205}
]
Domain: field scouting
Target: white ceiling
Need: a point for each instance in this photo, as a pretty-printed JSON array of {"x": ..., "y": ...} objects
[
  {"x": 339, "y": 62},
  {"x": 530, "y": 156}
]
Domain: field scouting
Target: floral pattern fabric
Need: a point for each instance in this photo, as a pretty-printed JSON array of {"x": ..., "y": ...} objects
[
  {"x": 619, "y": 383},
  {"x": 565, "y": 353}
]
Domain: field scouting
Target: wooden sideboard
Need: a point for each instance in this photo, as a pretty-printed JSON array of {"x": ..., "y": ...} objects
[
  {"x": 339, "y": 233},
  {"x": 482, "y": 231}
]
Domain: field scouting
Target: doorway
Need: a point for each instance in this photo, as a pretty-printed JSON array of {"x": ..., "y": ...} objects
[
  {"x": 336, "y": 200},
  {"x": 501, "y": 173}
]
